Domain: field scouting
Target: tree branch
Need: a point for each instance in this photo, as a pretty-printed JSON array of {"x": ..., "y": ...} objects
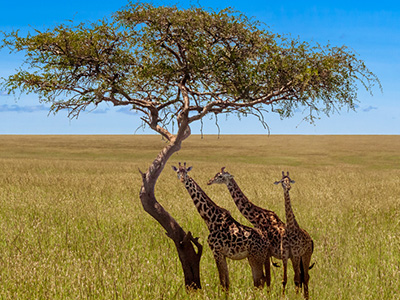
[{"x": 220, "y": 105}]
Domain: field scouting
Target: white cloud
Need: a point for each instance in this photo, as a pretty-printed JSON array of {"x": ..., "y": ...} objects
[
  {"x": 369, "y": 108},
  {"x": 23, "y": 109},
  {"x": 126, "y": 110}
]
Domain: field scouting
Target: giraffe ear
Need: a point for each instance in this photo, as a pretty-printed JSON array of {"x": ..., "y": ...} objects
[
  {"x": 174, "y": 168},
  {"x": 188, "y": 169},
  {"x": 292, "y": 181},
  {"x": 277, "y": 182}
]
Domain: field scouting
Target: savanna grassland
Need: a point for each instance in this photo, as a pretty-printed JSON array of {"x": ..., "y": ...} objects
[{"x": 72, "y": 226}]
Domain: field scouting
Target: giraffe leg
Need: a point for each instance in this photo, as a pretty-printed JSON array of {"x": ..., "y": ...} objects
[
  {"x": 257, "y": 271},
  {"x": 285, "y": 257},
  {"x": 284, "y": 279},
  {"x": 305, "y": 261},
  {"x": 297, "y": 272},
  {"x": 268, "y": 272},
  {"x": 222, "y": 266}
]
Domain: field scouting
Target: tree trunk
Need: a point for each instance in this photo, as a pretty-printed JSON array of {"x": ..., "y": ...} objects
[{"x": 189, "y": 258}]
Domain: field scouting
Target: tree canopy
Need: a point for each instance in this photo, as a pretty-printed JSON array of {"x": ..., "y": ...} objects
[{"x": 178, "y": 65}]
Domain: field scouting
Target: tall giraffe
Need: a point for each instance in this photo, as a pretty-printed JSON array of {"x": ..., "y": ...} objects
[
  {"x": 227, "y": 237},
  {"x": 300, "y": 242},
  {"x": 266, "y": 220}
]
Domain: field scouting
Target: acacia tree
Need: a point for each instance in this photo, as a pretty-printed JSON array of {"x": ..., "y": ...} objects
[{"x": 176, "y": 66}]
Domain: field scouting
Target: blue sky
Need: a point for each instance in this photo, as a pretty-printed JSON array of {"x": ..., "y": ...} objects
[{"x": 372, "y": 29}]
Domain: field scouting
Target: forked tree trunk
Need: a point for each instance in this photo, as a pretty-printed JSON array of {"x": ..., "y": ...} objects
[{"x": 189, "y": 258}]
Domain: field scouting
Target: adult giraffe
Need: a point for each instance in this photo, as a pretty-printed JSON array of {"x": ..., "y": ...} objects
[
  {"x": 227, "y": 237},
  {"x": 301, "y": 244},
  {"x": 266, "y": 220}
]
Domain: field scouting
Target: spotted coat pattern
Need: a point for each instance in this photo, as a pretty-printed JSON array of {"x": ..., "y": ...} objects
[
  {"x": 266, "y": 220},
  {"x": 301, "y": 244},
  {"x": 228, "y": 238}
]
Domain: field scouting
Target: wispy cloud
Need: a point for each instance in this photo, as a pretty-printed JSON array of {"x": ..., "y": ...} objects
[
  {"x": 365, "y": 109},
  {"x": 23, "y": 109},
  {"x": 126, "y": 110},
  {"x": 369, "y": 108},
  {"x": 3, "y": 93},
  {"x": 36, "y": 108},
  {"x": 100, "y": 111}
]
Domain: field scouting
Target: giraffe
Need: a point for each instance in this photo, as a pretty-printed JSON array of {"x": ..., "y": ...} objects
[
  {"x": 300, "y": 243},
  {"x": 266, "y": 220},
  {"x": 227, "y": 237}
]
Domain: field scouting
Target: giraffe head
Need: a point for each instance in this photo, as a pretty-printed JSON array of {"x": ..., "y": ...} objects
[
  {"x": 181, "y": 171},
  {"x": 285, "y": 181},
  {"x": 221, "y": 177}
]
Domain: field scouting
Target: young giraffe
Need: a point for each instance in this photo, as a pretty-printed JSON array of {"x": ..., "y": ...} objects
[
  {"x": 261, "y": 218},
  {"x": 301, "y": 244},
  {"x": 228, "y": 238}
]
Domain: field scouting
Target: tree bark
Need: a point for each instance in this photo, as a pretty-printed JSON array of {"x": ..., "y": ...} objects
[{"x": 184, "y": 242}]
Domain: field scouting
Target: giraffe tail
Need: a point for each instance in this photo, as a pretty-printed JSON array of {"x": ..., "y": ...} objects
[
  {"x": 275, "y": 264},
  {"x": 312, "y": 248}
]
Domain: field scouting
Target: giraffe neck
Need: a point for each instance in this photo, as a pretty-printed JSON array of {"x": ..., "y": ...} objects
[
  {"x": 291, "y": 223},
  {"x": 242, "y": 202},
  {"x": 208, "y": 210}
]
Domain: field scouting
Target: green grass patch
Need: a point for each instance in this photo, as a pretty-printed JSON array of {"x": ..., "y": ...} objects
[{"x": 72, "y": 225}]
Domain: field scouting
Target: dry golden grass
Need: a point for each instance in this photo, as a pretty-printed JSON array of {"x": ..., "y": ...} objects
[{"x": 72, "y": 226}]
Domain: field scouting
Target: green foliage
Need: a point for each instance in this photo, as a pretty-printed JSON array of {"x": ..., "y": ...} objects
[
  {"x": 165, "y": 60},
  {"x": 72, "y": 226}
]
